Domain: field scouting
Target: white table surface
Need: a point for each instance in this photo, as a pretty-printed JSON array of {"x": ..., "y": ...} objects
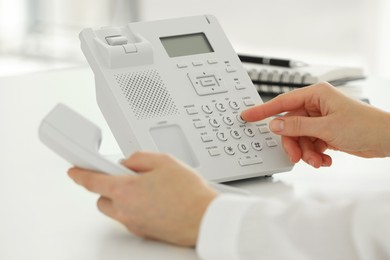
[{"x": 44, "y": 215}]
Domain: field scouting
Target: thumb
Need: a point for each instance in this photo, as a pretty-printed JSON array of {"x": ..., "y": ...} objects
[{"x": 298, "y": 126}]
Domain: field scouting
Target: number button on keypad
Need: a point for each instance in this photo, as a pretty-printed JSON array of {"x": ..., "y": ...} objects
[
  {"x": 249, "y": 132},
  {"x": 243, "y": 148},
  {"x": 207, "y": 109},
  {"x": 234, "y": 105},
  {"x": 227, "y": 120},
  {"x": 221, "y": 107},
  {"x": 239, "y": 119},
  {"x": 235, "y": 134},
  {"x": 214, "y": 122},
  {"x": 222, "y": 136}
]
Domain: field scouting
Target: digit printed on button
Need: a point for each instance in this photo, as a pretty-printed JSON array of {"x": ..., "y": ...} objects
[
  {"x": 249, "y": 132},
  {"x": 227, "y": 120},
  {"x": 221, "y": 136},
  {"x": 243, "y": 148},
  {"x": 207, "y": 109},
  {"x": 221, "y": 107},
  {"x": 235, "y": 134},
  {"x": 234, "y": 105}
]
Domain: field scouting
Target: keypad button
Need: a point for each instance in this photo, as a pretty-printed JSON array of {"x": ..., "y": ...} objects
[
  {"x": 239, "y": 119},
  {"x": 228, "y": 120},
  {"x": 214, "y": 122},
  {"x": 229, "y": 150},
  {"x": 208, "y": 81},
  {"x": 214, "y": 152},
  {"x": 235, "y": 134},
  {"x": 192, "y": 111},
  {"x": 243, "y": 148},
  {"x": 249, "y": 102},
  {"x": 240, "y": 86},
  {"x": 271, "y": 143},
  {"x": 249, "y": 132},
  {"x": 197, "y": 63},
  {"x": 264, "y": 129},
  {"x": 207, "y": 109},
  {"x": 257, "y": 146},
  {"x": 199, "y": 124},
  {"x": 246, "y": 162},
  {"x": 212, "y": 61},
  {"x": 221, "y": 107},
  {"x": 221, "y": 136},
  {"x": 206, "y": 138},
  {"x": 234, "y": 105},
  {"x": 182, "y": 65},
  {"x": 231, "y": 69}
]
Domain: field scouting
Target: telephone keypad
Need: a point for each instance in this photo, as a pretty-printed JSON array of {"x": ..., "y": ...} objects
[{"x": 226, "y": 133}]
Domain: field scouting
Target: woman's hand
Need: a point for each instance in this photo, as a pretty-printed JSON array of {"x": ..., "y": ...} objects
[
  {"x": 166, "y": 201},
  {"x": 320, "y": 117}
]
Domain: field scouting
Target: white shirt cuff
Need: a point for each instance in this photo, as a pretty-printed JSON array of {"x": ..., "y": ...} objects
[{"x": 220, "y": 227}]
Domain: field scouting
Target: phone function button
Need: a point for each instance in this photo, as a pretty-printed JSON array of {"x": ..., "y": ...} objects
[
  {"x": 208, "y": 81},
  {"x": 246, "y": 162},
  {"x": 257, "y": 145},
  {"x": 249, "y": 132},
  {"x": 231, "y": 69},
  {"x": 228, "y": 120},
  {"x": 240, "y": 86},
  {"x": 199, "y": 124},
  {"x": 249, "y": 102},
  {"x": 214, "y": 152},
  {"x": 207, "y": 109},
  {"x": 182, "y": 65},
  {"x": 192, "y": 111},
  {"x": 221, "y": 136},
  {"x": 243, "y": 148},
  {"x": 235, "y": 134},
  {"x": 206, "y": 138},
  {"x": 212, "y": 61},
  {"x": 271, "y": 143},
  {"x": 197, "y": 63},
  {"x": 214, "y": 122},
  {"x": 264, "y": 129},
  {"x": 234, "y": 105},
  {"x": 221, "y": 107},
  {"x": 229, "y": 150}
]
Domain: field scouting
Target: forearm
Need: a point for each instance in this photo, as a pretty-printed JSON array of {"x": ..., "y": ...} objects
[
  {"x": 386, "y": 135},
  {"x": 300, "y": 229}
]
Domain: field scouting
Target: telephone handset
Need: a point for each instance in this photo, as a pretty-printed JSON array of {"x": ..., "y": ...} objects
[{"x": 177, "y": 86}]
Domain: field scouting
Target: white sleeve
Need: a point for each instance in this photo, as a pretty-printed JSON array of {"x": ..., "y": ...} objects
[{"x": 238, "y": 227}]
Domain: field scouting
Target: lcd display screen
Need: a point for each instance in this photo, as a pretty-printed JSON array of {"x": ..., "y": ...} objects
[{"x": 189, "y": 44}]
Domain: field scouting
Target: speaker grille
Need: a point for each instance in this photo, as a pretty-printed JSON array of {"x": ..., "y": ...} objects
[{"x": 146, "y": 94}]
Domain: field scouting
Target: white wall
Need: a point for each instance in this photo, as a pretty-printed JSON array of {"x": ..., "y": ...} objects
[{"x": 346, "y": 32}]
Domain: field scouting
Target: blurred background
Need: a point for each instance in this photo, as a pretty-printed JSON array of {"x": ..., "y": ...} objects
[{"x": 40, "y": 35}]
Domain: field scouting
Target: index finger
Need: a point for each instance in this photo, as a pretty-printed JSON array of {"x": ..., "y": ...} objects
[
  {"x": 289, "y": 101},
  {"x": 96, "y": 182}
]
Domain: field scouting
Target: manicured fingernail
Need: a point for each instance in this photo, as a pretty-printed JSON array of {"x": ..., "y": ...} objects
[{"x": 276, "y": 125}]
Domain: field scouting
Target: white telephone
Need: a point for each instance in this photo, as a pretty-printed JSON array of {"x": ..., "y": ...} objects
[{"x": 177, "y": 86}]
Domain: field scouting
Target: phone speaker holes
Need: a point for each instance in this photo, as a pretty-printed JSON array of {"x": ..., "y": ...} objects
[{"x": 146, "y": 94}]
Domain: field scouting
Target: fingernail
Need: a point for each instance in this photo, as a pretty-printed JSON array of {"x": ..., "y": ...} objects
[
  {"x": 276, "y": 125},
  {"x": 311, "y": 162}
]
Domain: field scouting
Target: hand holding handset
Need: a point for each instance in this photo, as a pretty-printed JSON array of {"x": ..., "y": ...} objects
[{"x": 77, "y": 140}]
